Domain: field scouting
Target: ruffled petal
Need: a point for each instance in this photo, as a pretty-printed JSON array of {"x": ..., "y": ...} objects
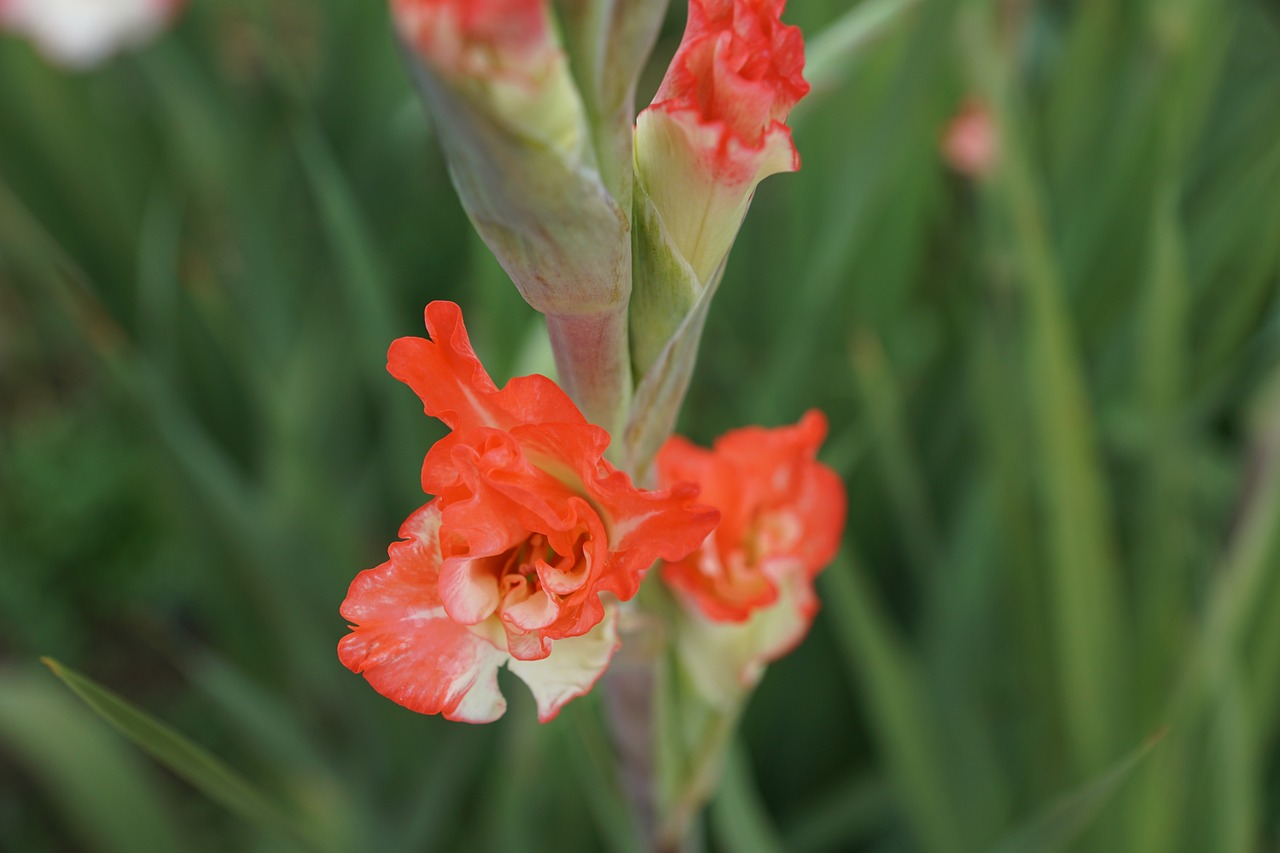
[
  {"x": 643, "y": 526},
  {"x": 738, "y": 63},
  {"x": 716, "y": 126},
  {"x": 404, "y": 643},
  {"x": 783, "y": 516},
  {"x": 572, "y": 668},
  {"x": 523, "y": 554}
]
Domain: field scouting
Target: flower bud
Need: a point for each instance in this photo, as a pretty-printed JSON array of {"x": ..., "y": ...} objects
[
  {"x": 715, "y": 128},
  {"x": 713, "y": 132},
  {"x": 519, "y": 147}
]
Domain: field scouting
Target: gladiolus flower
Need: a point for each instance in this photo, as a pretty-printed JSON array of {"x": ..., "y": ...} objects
[
  {"x": 81, "y": 33},
  {"x": 715, "y": 128},
  {"x": 748, "y": 591},
  {"x": 522, "y": 555}
]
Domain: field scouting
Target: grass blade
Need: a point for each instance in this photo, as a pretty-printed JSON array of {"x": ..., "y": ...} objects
[
  {"x": 1083, "y": 575},
  {"x": 1063, "y": 821},
  {"x": 203, "y": 770},
  {"x": 900, "y": 714},
  {"x": 738, "y": 817},
  {"x": 107, "y": 798},
  {"x": 830, "y": 55}
]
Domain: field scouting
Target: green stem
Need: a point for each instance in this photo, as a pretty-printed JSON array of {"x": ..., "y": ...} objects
[{"x": 699, "y": 781}]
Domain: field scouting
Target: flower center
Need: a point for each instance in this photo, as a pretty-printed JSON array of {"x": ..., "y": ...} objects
[
  {"x": 520, "y": 564},
  {"x": 536, "y": 581}
]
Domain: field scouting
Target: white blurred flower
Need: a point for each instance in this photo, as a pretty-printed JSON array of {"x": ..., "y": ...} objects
[{"x": 82, "y": 33}]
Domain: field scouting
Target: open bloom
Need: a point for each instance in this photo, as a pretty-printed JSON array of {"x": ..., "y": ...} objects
[
  {"x": 715, "y": 128},
  {"x": 522, "y": 555},
  {"x": 748, "y": 591},
  {"x": 81, "y": 33}
]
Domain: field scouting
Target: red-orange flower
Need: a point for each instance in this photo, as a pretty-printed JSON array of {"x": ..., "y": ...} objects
[
  {"x": 715, "y": 128},
  {"x": 530, "y": 540},
  {"x": 782, "y": 516}
]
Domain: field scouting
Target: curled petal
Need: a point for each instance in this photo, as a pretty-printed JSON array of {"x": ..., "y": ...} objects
[
  {"x": 468, "y": 589},
  {"x": 530, "y": 611},
  {"x": 643, "y": 526},
  {"x": 447, "y": 376}
]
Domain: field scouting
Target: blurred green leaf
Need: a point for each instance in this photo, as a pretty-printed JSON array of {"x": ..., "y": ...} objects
[
  {"x": 1062, "y": 822},
  {"x": 850, "y": 811},
  {"x": 591, "y": 755},
  {"x": 901, "y": 715},
  {"x": 110, "y": 801},
  {"x": 738, "y": 816},
  {"x": 193, "y": 763},
  {"x": 831, "y": 54},
  {"x": 1088, "y": 601}
]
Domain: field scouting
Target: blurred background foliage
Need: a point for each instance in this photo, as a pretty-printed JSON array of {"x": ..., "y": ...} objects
[{"x": 1054, "y": 396}]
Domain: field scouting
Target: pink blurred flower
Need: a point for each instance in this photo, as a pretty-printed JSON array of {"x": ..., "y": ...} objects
[{"x": 969, "y": 143}]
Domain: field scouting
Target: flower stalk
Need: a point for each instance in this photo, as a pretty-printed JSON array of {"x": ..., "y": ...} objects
[{"x": 534, "y": 549}]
